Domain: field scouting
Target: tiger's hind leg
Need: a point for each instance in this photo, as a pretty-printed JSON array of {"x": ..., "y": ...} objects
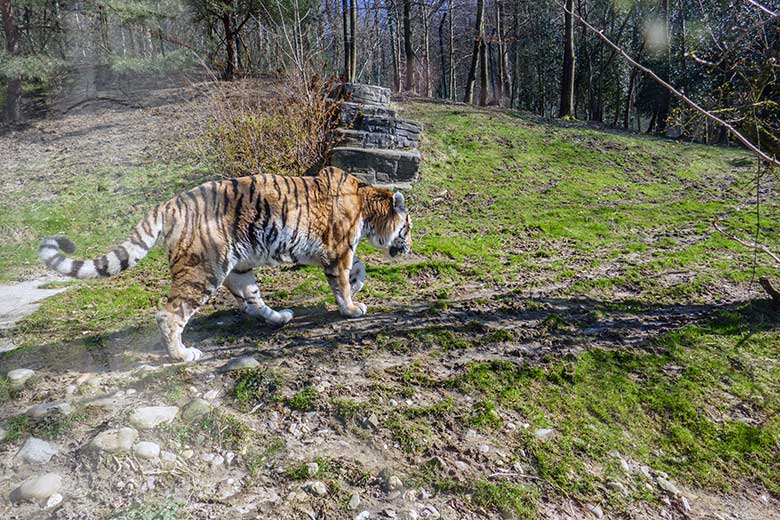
[
  {"x": 189, "y": 291},
  {"x": 243, "y": 287}
]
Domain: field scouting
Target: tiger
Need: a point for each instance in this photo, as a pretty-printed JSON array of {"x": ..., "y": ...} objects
[{"x": 219, "y": 232}]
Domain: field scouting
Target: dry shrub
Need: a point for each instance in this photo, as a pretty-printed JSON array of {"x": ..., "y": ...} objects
[{"x": 256, "y": 126}]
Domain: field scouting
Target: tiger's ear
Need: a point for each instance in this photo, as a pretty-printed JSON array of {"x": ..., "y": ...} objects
[{"x": 398, "y": 202}]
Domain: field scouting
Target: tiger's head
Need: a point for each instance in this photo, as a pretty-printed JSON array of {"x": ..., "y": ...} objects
[{"x": 386, "y": 222}]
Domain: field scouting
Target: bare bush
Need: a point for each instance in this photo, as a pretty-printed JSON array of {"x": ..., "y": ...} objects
[{"x": 254, "y": 126}]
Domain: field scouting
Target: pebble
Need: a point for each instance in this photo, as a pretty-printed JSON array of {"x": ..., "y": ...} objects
[
  {"x": 763, "y": 498},
  {"x": 317, "y": 488},
  {"x": 54, "y": 501},
  {"x": 668, "y": 486},
  {"x": 390, "y": 513},
  {"x": 229, "y": 457},
  {"x": 148, "y": 417},
  {"x": 217, "y": 462},
  {"x": 617, "y": 486},
  {"x": 19, "y": 377},
  {"x": 685, "y": 505},
  {"x": 167, "y": 458},
  {"x": 373, "y": 421},
  {"x": 462, "y": 466},
  {"x": 596, "y": 510},
  {"x": 430, "y": 512},
  {"x": 187, "y": 454},
  {"x": 144, "y": 369},
  {"x": 3, "y": 433},
  {"x": 393, "y": 483},
  {"x": 363, "y": 515},
  {"x": 354, "y": 501},
  {"x": 113, "y": 441},
  {"x": 44, "y": 409},
  {"x": 36, "y": 451},
  {"x": 624, "y": 466},
  {"x": 484, "y": 448},
  {"x": 312, "y": 468},
  {"x": 211, "y": 395},
  {"x": 410, "y": 514},
  {"x": 38, "y": 488},
  {"x": 196, "y": 408},
  {"x": 240, "y": 363},
  {"x": 543, "y": 434},
  {"x": 146, "y": 450}
]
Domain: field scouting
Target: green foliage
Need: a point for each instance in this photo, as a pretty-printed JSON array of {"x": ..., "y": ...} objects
[
  {"x": 303, "y": 400},
  {"x": 170, "y": 509},
  {"x": 511, "y": 500},
  {"x": 38, "y": 67},
  {"x": 256, "y": 385}
]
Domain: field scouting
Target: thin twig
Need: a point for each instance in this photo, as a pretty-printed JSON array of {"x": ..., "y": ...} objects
[{"x": 751, "y": 245}]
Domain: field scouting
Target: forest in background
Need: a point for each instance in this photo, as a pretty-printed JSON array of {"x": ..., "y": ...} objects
[{"x": 519, "y": 54}]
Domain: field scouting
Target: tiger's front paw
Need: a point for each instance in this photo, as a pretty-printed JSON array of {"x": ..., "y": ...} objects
[
  {"x": 355, "y": 311},
  {"x": 188, "y": 355}
]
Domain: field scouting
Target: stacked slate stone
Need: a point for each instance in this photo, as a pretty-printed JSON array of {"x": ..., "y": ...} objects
[{"x": 375, "y": 144}]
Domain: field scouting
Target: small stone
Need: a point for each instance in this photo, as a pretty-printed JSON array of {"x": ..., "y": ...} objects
[
  {"x": 596, "y": 510},
  {"x": 19, "y": 377},
  {"x": 211, "y": 395},
  {"x": 410, "y": 514},
  {"x": 763, "y": 498},
  {"x": 114, "y": 441},
  {"x": 54, "y": 501},
  {"x": 217, "y": 462},
  {"x": 510, "y": 426},
  {"x": 390, "y": 513},
  {"x": 393, "y": 483},
  {"x": 312, "y": 468},
  {"x": 196, "y": 408},
  {"x": 167, "y": 458},
  {"x": 45, "y": 409},
  {"x": 624, "y": 466},
  {"x": 484, "y": 449},
  {"x": 317, "y": 488},
  {"x": 207, "y": 457},
  {"x": 229, "y": 457},
  {"x": 685, "y": 505},
  {"x": 542, "y": 434},
  {"x": 131, "y": 391},
  {"x": 38, "y": 488},
  {"x": 430, "y": 512},
  {"x": 618, "y": 486},
  {"x": 187, "y": 454},
  {"x": 362, "y": 515},
  {"x": 3, "y": 433},
  {"x": 146, "y": 450},
  {"x": 668, "y": 486},
  {"x": 240, "y": 363},
  {"x": 148, "y": 417},
  {"x": 373, "y": 421},
  {"x": 144, "y": 369},
  {"x": 36, "y": 451},
  {"x": 354, "y": 501}
]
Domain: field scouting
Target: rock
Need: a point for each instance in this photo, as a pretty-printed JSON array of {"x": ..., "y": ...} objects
[
  {"x": 54, "y": 501},
  {"x": 45, "y": 409},
  {"x": 390, "y": 513},
  {"x": 393, "y": 483},
  {"x": 217, "y": 462},
  {"x": 144, "y": 369},
  {"x": 618, "y": 486},
  {"x": 542, "y": 434},
  {"x": 668, "y": 486},
  {"x": 211, "y": 395},
  {"x": 365, "y": 94},
  {"x": 167, "y": 458},
  {"x": 410, "y": 514},
  {"x": 3, "y": 433},
  {"x": 430, "y": 512},
  {"x": 312, "y": 468},
  {"x": 484, "y": 449},
  {"x": 146, "y": 450},
  {"x": 377, "y": 164},
  {"x": 240, "y": 363},
  {"x": 763, "y": 498},
  {"x": 187, "y": 454},
  {"x": 461, "y": 465},
  {"x": 19, "y": 377},
  {"x": 148, "y": 417},
  {"x": 362, "y": 515},
  {"x": 196, "y": 408},
  {"x": 596, "y": 510},
  {"x": 114, "y": 441},
  {"x": 373, "y": 421},
  {"x": 36, "y": 451},
  {"x": 38, "y": 488},
  {"x": 624, "y": 466},
  {"x": 317, "y": 488},
  {"x": 229, "y": 456},
  {"x": 686, "y": 507},
  {"x": 354, "y": 501}
]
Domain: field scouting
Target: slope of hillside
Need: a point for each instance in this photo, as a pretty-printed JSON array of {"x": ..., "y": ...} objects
[{"x": 570, "y": 339}]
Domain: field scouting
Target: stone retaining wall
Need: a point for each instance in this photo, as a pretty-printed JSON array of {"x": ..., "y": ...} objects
[{"x": 375, "y": 144}]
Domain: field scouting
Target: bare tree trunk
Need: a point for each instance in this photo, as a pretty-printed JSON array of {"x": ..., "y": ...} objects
[
  {"x": 665, "y": 98},
  {"x": 478, "y": 43},
  {"x": 451, "y": 57},
  {"x": 231, "y": 66},
  {"x": 408, "y": 46},
  {"x": 13, "y": 95},
  {"x": 483, "y": 72},
  {"x": 567, "y": 76},
  {"x": 347, "y": 47},
  {"x": 352, "y": 40},
  {"x": 395, "y": 54},
  {"x": 426, "y": 49},
  {"x": 443, "y": 84}
]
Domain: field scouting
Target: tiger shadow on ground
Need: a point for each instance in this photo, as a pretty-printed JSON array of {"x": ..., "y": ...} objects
[{"x": 534, "y": 328}]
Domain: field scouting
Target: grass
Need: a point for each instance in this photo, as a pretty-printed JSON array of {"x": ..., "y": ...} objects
[
  {"x": 256, "y": 385},
  {"x": 168, "y": 509}
]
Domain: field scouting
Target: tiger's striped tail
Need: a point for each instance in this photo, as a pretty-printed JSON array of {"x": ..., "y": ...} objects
[{"x": 124, "y": 256}]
